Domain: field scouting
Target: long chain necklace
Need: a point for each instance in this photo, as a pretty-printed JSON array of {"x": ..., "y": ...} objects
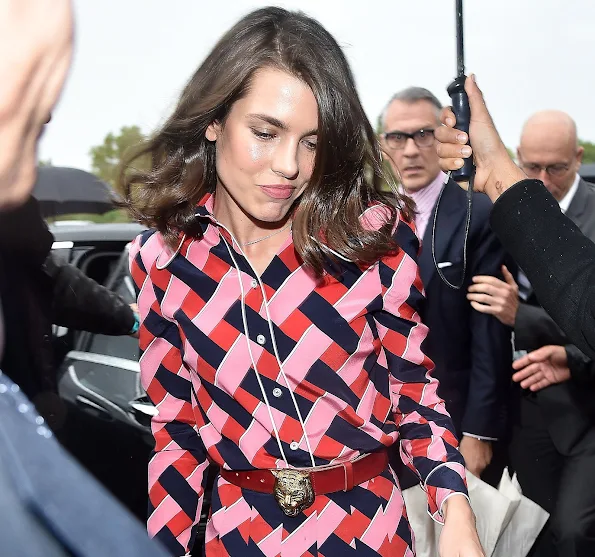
[{"x": 266, "y": 237}]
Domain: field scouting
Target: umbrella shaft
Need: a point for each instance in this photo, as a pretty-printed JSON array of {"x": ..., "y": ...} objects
[{"x": 460, "y": 40}]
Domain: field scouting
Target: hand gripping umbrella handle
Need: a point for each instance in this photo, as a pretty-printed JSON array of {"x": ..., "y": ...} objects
[{"x": 460, "y": 106}]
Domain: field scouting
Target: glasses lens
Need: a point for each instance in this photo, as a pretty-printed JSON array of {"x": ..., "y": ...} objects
[
  {"x": 532, "y": 169},
  {"x": 395, "y": 140},
  {"x": 557, "y": 170},
  {"x": 424, "y": 138}
]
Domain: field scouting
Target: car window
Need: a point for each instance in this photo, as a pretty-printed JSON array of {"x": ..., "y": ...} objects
[{"x": 99, "y": 266}]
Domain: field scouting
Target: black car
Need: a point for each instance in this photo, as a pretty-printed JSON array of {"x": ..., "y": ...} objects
[
  {"x": 90, "y": 432},
  {"x": 95, "y": 249},
  {"x": 587, "y": 172},
  {"x": 108, "y": 426}
]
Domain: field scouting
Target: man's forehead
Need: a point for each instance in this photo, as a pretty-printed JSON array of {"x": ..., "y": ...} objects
[
  {"x": 419, "y": 114},
  {"x": 545, "y": 149}
]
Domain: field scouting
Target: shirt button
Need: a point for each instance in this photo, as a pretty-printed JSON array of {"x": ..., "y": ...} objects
[
  {"x": 277, "y": 392},
  {"x": 294, "y": 445},
  {"x": 261, "y": 339},
  {"x": 254, "y": 283}
]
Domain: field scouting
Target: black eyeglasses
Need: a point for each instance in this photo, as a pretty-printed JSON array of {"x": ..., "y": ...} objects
[
  {"x": 555, "y": 170},
  {"x": 398, "y": 140}
]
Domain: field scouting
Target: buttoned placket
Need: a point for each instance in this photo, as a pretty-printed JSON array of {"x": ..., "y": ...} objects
[{"x": 262, "y": 340}]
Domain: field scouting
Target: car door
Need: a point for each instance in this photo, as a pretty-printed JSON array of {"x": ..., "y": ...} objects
[
  {"x": 101, "y": 375},
  {"x": 108, "y": 420}
]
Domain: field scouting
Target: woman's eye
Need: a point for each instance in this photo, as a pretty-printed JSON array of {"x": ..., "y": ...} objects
[
  {"x": 310, "y": 145},
  {"x": 262, "y": 134}
]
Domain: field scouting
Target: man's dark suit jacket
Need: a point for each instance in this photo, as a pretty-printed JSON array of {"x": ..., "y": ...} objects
[
  {"x": 558, "y": 259},
  {"x": 471, "y": 350}
]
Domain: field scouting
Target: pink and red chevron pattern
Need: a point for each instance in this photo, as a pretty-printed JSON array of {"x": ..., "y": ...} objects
[{"x": 350, "y": 349}]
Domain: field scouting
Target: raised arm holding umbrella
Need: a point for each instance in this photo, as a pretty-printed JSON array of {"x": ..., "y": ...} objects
[{"x": 559, "y": 261}]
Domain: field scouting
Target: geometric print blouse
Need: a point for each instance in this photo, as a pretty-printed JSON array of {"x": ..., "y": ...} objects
[{"x": 282, "y": 370}]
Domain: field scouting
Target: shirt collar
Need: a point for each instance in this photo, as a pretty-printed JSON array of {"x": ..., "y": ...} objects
[
  {"x": 435, "y": 184},
  {"x": 433, "y": 188},
  {"x": 205, "y": 207},
  {"x": 567, "y": 199}
]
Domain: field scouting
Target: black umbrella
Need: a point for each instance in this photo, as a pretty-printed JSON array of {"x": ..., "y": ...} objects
[{"x": 62, "y": 191}]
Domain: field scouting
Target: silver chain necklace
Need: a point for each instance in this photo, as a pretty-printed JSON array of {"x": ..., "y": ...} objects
[{"x": 244, "y": 244}]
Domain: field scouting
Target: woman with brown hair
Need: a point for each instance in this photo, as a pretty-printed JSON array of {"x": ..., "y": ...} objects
[{"x": 278, "y": 294}]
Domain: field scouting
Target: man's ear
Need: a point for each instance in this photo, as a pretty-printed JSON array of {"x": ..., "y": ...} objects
[{"x": 579, "y": 155}]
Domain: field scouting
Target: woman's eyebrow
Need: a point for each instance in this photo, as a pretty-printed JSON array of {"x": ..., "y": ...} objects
[
  {"x": 270, "y": 119},
  {"x": 278, "y": 123}
]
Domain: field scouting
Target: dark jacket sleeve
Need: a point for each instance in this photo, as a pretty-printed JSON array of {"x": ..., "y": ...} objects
[
  {"x": 534, "y": 328},
  {"x": 491, "y": 349},
  {"x": 582, "y": 368},
  {"x": 557, "y": 258},
  {"x": 81, "y": 303}
]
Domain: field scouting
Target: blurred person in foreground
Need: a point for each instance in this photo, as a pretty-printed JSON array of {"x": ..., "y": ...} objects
[
  {"x": 36, "y": 40},
  {"x": 471, "y": 350},
  {"x": 553, "y": 443},
  {"x": 49, "y": 506},
  {"x": 279, "y": 298}
]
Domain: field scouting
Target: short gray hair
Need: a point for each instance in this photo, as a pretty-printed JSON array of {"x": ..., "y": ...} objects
[{"x": 412, "y": 95}]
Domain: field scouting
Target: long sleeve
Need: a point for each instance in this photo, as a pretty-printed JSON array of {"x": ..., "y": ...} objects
[
  {"x": 179, "y": 461},
  {"x": 534, "y": 328},
  {"x": 429, "y": 445},
  {"x": 582, "y": 368},
  {"x": 490, "y": 346},
  {"x": 78, "y": 302},
  {"x": 557, "y": 258}
]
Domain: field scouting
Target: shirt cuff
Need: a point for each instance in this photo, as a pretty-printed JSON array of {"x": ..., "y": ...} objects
[
  {"x": 480, "y": 437},
  {"x": 438, "y": 516},
  {"x": 136, "y": 324},
  {"x": 441, "y": 483}
]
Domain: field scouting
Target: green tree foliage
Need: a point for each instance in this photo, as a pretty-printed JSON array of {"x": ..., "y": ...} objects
[
  {"x": 107, "y": 158},
  {"x": 47, "y": 162},
  {"x": 589, "y": 154}
]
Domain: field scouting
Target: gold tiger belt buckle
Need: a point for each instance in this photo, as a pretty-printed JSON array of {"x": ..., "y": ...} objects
[{"x": 293, "y": 490}]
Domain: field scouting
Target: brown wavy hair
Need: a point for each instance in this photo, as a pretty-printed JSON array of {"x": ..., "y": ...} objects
[{"x": 348, "y": 161}]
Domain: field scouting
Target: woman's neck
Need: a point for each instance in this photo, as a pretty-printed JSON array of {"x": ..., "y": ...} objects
[{"x": 246, "y": 230}]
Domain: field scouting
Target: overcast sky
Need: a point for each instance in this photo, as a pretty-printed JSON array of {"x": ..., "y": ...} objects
[{"x": 132, "y": 57}]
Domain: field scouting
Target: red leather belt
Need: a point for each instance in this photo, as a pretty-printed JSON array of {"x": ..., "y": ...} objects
[{"x": 295, "y": 489}]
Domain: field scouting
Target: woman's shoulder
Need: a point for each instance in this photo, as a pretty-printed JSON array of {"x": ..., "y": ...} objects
[
  {"x": 148, "y": 249},
  {"x": 404, "y": 234}
]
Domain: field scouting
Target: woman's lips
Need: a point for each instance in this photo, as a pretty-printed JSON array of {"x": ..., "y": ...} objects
[{"x": 278, "y": 192}]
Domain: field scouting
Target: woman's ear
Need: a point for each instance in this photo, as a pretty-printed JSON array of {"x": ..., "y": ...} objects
[{"x": 213, "y": 131}]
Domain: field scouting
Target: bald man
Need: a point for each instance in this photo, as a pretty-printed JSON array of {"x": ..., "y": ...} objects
[{"x": 553, "y": 440}]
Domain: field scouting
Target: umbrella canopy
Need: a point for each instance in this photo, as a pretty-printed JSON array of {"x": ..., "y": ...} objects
[{"x": 62, "y": 191}]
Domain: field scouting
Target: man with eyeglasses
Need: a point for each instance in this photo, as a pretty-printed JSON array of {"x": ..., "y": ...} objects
[
  {"x": 471, "y": 350},
  {"x": 553, "y": 440}
]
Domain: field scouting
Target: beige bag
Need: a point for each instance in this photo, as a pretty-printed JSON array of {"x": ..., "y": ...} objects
[{"x": 507, "y": 522}]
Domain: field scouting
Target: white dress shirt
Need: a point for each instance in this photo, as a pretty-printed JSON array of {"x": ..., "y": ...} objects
[{"x": 567, "y": 199}]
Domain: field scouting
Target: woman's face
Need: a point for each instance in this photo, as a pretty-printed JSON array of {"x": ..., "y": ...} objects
[{"x": 266, "y": 148}]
